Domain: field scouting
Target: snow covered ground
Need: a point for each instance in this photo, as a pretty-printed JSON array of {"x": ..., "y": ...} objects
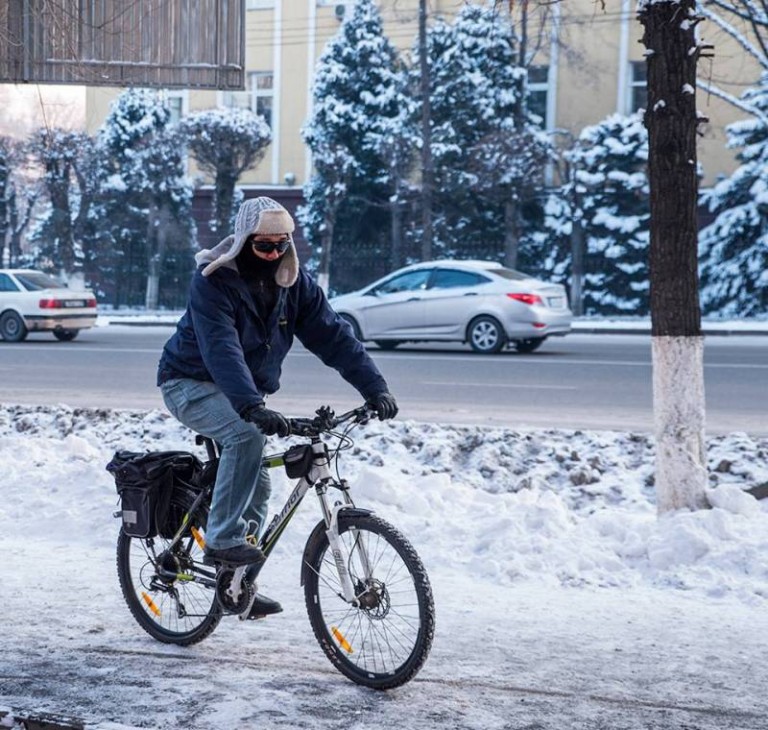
[{"x": 562, "y": 600}]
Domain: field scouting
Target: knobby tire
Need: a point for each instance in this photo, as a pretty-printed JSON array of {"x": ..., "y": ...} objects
[{"x": 405, "y": 636}]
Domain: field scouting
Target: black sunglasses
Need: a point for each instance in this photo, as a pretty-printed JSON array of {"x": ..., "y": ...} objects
[{"x": 269, "y": 247}]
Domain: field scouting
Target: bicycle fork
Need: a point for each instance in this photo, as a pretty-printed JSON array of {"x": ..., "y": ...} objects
[{"x": 341, "y": 556}]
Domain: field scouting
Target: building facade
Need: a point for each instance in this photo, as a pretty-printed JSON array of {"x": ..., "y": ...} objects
[{"x": 586, "y": 63}]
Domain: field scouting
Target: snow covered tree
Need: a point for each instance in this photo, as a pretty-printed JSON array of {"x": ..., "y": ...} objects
[
  {"x": 355, "y": 95},
  {"x": 510, "y": 170},
  {"x": 16, "y": 201},
  {"x": 63, "y": 157},
  {"x": 147, "y": 199},
  {"x": 610, "y": 163},
  {"x": 226, "y": 143},
  {"x": 672, "y": 52},
  {"x": 746, "y": 22},
  {"x": 734, "y": 248},
  {"x": 6, "y": 167},
  {"x": 480, "y": 149}
]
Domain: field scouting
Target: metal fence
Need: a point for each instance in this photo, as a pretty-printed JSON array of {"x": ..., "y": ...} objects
[{"x": 157, "y": 43}]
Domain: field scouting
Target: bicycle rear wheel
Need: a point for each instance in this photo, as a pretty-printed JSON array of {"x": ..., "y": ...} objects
[
  {"x": 384, "y": 641},
  {"x": 158, "y": 586}
]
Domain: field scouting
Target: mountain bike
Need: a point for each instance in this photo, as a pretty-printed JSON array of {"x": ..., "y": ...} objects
[{"x": 367, "y": 594}]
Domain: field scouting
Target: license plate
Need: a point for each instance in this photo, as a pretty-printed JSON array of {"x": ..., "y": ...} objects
[
  {"x": 556, "y": 302},
  {"x": 73, "y": 303}
]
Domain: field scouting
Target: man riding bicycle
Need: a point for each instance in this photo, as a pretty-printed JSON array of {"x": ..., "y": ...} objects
[{"x": 248, "y": 299}]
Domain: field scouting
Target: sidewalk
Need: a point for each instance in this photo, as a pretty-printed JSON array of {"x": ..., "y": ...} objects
[{"x": 583, "y": 325}]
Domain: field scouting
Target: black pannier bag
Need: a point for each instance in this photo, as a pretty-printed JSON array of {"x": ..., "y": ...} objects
[{"x": 145, "y": 483}]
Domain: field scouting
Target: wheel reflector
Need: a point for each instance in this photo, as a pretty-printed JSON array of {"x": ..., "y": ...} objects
[
  {"x": 199, "y": 539},
  {"x": 343, "y": 643},
  {"x": 150, "y": 603}
]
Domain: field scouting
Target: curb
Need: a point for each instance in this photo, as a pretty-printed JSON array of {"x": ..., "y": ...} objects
[
  {"x": 647, "y": 331},
  {"x": 577, "y": 330}
]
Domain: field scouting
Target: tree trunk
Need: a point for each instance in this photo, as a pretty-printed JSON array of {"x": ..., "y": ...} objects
[
  {"x": 225, "y": 195},
  {"x": 678, "y": 363},
  {"x": 427, "y": 165},
  {"x": 324, "y": 268},
  {"x": 511, "y": 234},
  {"x": 577, "y": 267},
  {"x": 5, "y": 193},
  {"x": 158, "y": 225},
  {"x": 396, "y": 232},
  {"x": 17, "y": 224}
]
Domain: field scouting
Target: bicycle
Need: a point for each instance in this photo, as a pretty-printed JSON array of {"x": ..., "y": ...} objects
[{"x": 367, "y": 594}]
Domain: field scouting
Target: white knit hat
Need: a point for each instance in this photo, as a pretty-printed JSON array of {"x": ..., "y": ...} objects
[{"x": 262, "y": 216}]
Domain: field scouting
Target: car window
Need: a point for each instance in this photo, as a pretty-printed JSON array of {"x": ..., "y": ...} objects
[
  {"x": 409, "y": 281},
  {"x": 36, "y": 280},
  {"x": 510, "y": 274},
  {"x": 6, "y": 283},
  {"x": 450, "y": 278}
]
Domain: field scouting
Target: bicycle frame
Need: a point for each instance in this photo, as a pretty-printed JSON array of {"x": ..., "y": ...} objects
[{"x": 319, "y": 477}]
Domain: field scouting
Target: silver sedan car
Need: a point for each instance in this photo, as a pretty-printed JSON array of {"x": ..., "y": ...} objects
[{"x": 479, "y": 302}]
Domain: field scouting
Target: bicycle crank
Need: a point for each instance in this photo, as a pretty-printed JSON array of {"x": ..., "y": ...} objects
[{"x": 234, "y": 591}]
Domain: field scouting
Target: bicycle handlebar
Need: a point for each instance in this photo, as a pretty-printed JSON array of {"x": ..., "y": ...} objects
[{"x": 326, "y": 420}]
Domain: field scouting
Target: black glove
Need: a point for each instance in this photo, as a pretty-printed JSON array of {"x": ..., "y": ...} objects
[
  {"x": 385, "y": 406},
  {"x": 270, "y": 422}
]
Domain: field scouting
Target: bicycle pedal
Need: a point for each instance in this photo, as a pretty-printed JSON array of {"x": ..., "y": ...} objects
[{"x": 252, "y": 618}]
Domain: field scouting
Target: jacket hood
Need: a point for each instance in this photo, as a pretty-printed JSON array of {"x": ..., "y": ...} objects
[{"x": 259, "y": 215}]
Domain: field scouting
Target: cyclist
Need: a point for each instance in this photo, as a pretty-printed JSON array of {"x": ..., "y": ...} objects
[{"x": 247, "y": 300}]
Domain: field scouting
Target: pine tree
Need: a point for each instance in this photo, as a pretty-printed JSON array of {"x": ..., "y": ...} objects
[
  {"x": 734, "y": 248},
  {"x": 355, "y": 93},
  {"x": 226, "y": 143},
  {"x": 477, "y": 138},
  {"x": 610, "y": 173}
]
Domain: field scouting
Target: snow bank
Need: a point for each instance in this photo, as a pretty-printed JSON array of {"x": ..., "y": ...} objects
[{"x": 570, "y": 508}]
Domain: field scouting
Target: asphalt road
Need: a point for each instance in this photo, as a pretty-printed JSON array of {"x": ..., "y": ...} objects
[{"x": 579, "y": 381}]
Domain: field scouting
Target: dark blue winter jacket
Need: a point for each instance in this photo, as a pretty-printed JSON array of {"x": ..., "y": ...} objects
[{"x": 222, "y": 339}]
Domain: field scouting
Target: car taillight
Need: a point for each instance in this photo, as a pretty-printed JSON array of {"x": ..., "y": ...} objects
[
  {"x": 529, "y": 299},
  {"x": 90, "y": 302},
  {"x": 51, "y": 304}
]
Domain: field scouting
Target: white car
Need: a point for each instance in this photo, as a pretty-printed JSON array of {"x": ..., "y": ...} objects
[
  {"x": 31, "y": 301},
  {"x": 479, "y": 302}
]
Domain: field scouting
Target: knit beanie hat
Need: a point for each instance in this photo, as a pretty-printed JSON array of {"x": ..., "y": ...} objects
[{"x": 263, "y": 216}]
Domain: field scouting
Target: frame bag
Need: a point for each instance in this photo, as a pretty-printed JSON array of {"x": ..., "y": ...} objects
[{"x": 145, "y": 484}]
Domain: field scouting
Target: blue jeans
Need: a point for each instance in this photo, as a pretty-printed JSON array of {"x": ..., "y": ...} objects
[{"x": 242, "y": 488}]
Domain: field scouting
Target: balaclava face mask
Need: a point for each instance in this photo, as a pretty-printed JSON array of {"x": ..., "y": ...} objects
[{"x": 251, "y": 266}]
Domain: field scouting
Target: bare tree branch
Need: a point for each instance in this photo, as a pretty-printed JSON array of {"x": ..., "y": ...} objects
[{"x": 731, "y": 99}]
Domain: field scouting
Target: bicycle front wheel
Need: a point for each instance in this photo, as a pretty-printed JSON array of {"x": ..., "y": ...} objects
[
  {"x": 169, "y": 591},
  {"x": 384, "y": 641}
]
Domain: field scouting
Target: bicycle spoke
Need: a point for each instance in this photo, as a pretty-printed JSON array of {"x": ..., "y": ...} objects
[{"x": 380, "y": 643}]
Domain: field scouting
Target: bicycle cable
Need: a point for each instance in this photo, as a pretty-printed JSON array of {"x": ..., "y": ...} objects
[{"x": 345, "y": 443}]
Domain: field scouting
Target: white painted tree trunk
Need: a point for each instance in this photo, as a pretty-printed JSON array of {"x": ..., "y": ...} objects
[
  {"x": 323, "y": 281},
  {"x": 678, "y": 405}
]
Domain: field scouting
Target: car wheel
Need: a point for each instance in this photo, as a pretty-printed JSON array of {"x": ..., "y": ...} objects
[
  {"x": 529, "y": 344},
  {"x": 486, "y": 335},
  {"x": 387, "y": 344},
  {"x": 12, "y": 327},
  {"x": 355, "y": 326},
  {"x": 65, "y": 335}
]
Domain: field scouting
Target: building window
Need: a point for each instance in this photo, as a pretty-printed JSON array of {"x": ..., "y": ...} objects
[
  {"x": 638, "y": 86},
  {"x": 538, "y": 91},
  {"x": 177, "y": 102},
  {"x": 257, "y": 97},
  {"x": 259, "y": 4}
]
